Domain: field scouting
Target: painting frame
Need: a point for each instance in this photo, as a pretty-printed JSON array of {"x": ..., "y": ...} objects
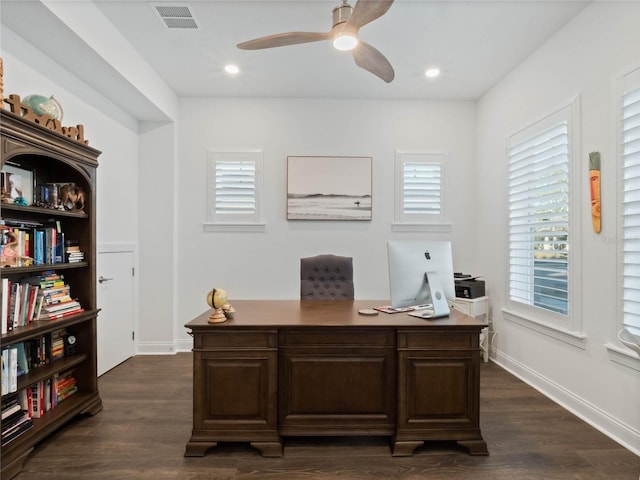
[
  {"x": 26, "y": 188},
  {"x": 335, "y": 188}
]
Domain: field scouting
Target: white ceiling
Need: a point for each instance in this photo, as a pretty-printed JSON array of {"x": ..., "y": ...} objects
[{"x": 475, "y": 43}]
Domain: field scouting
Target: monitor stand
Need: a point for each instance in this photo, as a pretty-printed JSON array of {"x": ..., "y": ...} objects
[{"x": 440, "y": 304}]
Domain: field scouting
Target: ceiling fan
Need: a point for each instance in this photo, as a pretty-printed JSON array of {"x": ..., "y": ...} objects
[{"x": 347, "y": 20}]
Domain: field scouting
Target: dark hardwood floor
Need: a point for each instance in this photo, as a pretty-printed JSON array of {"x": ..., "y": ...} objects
[{"x": 146, "y": 422}]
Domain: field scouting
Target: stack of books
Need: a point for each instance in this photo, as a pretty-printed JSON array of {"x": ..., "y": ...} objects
[
  {"x": 65, "y": 386},
  {"x": 55, "y": 299},
  {"x": 60, "y": 309},
  {"x": 15, "y": 419},
  {"x": 74, "y": 255}
]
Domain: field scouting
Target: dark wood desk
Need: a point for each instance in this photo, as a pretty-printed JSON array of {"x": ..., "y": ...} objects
[{"x": 309, "y": 368}]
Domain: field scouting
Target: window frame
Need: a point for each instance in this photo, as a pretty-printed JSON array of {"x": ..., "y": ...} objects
[
  {"x": 419, "y": 221},
  {"x": 239, "y": 221},
  {"x": 566, "y": 328},
  {"x": 628, "y": 81}
]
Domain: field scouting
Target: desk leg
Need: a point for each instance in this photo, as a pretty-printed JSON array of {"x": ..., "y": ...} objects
[
  {"x": 406, "y": 448},
  {"x": 268, "y": 449},
  {"x": 198, "y": 449},
  {"x": 474, "y": 447}
]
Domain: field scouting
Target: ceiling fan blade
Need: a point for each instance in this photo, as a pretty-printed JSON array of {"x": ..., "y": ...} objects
[
  {"x": 283, "y": 39},
  {"x": 366, "y": 11},
  {"x": 373, "y": 61}
]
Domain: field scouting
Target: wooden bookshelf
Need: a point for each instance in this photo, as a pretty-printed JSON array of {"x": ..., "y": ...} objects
[{"x": 54, "y": 158}]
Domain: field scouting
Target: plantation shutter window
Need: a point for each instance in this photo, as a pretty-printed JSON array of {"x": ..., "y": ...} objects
[
  {"x": 234, "y": 187},
  {"x": 420, "y": 180},
  {"x": 630, "y": 207},
  {"x": 539, "y": 235}
]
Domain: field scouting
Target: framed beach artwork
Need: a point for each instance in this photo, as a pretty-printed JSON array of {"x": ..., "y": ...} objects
[{"x": 329, "y": 188}]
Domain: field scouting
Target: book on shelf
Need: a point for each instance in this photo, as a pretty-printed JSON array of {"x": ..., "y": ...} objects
[
  {"x": 47, "y": 394},
  {"x": 4, "y": 307},
  {"x": 37, "y": 399},
  {"x": 4, "y": 387},
  {"x": 22, "y": 360},
  {"x": 9, "y": 382}
]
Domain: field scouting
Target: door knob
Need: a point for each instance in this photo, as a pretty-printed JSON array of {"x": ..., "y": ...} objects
[{"x": 101, "y": 279}]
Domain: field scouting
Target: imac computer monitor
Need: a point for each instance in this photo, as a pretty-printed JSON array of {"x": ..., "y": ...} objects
[{"x": 421, "y": 273}]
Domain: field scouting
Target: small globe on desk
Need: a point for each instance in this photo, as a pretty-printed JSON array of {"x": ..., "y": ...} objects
[{"x": 216, "y": 298}]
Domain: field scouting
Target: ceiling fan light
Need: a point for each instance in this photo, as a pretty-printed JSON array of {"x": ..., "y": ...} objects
[
  {"x": 345, "y": 41},
  {"x": 231, "y": 69}
]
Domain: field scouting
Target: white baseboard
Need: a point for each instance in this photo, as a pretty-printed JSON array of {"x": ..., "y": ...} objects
[
  {"x": 163, "y": 348},
  {"x": 184, "y": 345},
  {"x": 594, "y": 416},
  {"x": 155, "y": 348}
]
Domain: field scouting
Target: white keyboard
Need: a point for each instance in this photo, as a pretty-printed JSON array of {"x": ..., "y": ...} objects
[{"x": 424, "y": 306}]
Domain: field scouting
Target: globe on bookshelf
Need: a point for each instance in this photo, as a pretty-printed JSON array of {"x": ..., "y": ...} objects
[
  {"x": 44, "y": 105},
  {"x": 216, "y": 299}
]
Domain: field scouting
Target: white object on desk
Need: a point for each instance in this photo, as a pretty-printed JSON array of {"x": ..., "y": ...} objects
[{"x": 478, "y": 308}]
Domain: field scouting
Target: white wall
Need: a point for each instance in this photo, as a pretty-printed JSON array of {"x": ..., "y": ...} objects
[
  {"x": 157, "y": 233},
  {"x": 107, "y": 127},
  {"x": 581, "y": 59},
  {"x": 266, "y": 265}
]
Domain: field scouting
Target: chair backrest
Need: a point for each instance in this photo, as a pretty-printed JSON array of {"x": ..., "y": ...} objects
[{"x": 326, "y": 277}]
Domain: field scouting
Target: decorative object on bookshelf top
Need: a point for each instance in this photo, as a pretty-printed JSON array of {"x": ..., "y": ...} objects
[
  {"x": 43, "y": 105},
  {"x": 23, "y": 110}
]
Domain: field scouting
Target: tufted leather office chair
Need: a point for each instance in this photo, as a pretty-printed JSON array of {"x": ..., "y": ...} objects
[{"x": 326, "y": 277}]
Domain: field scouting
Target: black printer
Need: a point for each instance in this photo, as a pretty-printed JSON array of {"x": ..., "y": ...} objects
[{"x": 468, "y": 286}]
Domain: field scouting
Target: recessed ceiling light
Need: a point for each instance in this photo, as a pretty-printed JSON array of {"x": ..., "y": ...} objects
[
  {"x": 432, "y": 72},
  {"x": 231, "y": 69}
]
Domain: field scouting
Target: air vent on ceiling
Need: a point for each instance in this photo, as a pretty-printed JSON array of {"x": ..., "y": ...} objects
[{"x": 175, "y": 15}]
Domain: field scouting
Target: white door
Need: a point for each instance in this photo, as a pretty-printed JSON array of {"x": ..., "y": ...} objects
[{"x": 116, "y": 301}]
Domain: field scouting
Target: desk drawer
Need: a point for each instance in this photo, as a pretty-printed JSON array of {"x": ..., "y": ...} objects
[
  {"x": 337, "y": 337},
  {"x": 433, "y": 340},
  {"x": 236, "y": 339}
]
